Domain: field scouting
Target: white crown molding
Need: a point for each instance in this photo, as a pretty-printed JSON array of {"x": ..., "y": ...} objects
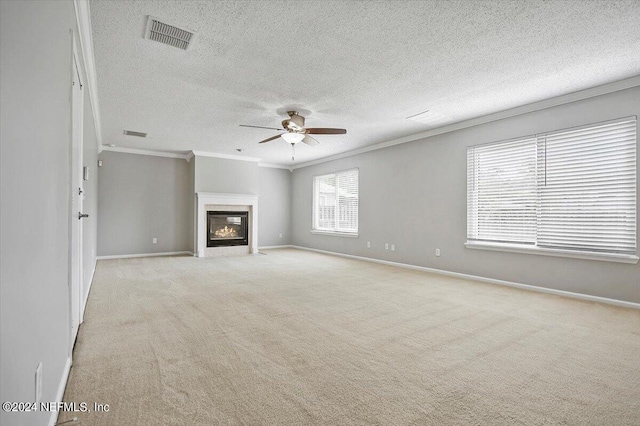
[
  {"x": 535, "y": 106},
  {"x": 274, "y": 166},
  {"x": 225, "y": 156},
  {"x": 145, "y": 152},
  {"x": 83, "y": 19},
  {"x": 581, "y": 296},
  {"x": 191, "y": 154}
]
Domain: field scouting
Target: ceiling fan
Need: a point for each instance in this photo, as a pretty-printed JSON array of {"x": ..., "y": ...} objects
[{"x": 296, "y": 132}]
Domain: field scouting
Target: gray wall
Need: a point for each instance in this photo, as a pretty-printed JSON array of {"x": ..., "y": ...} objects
[
  {"x": 414, "y": 196},
  {"x": 35, "y": 118},
  {"x": 225, "y": 176},
  {"x": 274, "y": 217},
  {"x": 141, "y": 197}
]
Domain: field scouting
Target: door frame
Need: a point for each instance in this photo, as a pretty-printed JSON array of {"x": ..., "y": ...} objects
[{"x": 75, "y": 197}]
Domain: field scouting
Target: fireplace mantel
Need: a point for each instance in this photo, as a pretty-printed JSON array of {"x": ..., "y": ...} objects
[{"x": 212, "y": 198}]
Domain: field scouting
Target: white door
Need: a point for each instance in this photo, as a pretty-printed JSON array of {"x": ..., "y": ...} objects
[{"x": 75, "y": 281}]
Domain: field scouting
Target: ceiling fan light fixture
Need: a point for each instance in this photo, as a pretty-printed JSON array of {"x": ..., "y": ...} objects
[
  {"x": 295, "y": 131},
  {"x": 292, "y": 138}
]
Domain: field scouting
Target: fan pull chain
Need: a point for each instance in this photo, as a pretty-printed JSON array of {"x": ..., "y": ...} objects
[{"x": 293, "y": 151}]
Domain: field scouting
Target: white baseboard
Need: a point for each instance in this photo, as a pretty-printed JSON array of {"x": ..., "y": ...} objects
[
  {"x": 275, "y": 247},
  {"x": 60, "y": 394},
  {"x": 581, "y": 296},
  {"x": 128, "y": 256}
]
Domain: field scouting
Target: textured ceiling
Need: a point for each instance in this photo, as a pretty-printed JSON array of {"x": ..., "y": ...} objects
[{"x": 360, "y": 65}]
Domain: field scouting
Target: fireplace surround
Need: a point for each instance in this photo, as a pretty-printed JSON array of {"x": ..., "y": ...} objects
[{"x": 215, "y": 202}]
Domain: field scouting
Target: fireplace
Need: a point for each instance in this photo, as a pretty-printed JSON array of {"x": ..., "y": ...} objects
[
  {"x": 242, "y": 204},
  {"x": 225, "y": 228}
]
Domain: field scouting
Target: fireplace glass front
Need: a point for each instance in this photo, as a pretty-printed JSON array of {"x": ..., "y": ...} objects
[{"x": 227, "y": 228}]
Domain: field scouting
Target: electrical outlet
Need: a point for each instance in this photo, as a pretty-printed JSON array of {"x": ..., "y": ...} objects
[
  {"x": 280, "y": 236},
  {"x": 368, "y": 244},
  {"x": 437, "y": 252},
  {"x": 386, "y": 246},
  {"x": 155, "y": 241},
  {"x": 393, "y": 247},
  {"x": 39, "y": 383}
]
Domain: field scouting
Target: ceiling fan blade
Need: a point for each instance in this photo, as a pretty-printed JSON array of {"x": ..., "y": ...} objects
[
  {"x": 325, "y": 131},
  {"x": 270, "y": 139},
  {"x": 309, "y": 140},
  {"x": 259, "y": 127}
]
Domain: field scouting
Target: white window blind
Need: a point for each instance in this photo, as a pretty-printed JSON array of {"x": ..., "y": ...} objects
[
  {"x": 588, "y": 188},
  {"x": 501, "y": 195},
  {"x": 335, "y": 202},
  {"x": 573, "y": 189}
]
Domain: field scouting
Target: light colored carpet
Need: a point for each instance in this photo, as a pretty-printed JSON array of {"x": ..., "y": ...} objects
[{"x": 294, "y": 337}]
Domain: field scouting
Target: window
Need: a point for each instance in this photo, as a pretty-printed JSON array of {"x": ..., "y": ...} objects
[
  {"x": 335, "y": 202},
  {"x": 570, "y": 192}
]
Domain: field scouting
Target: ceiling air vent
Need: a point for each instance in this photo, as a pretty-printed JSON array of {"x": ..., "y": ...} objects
[
  {"x": 168, "y": 34},
  {"x": 431, "y": 118},
  {"x": 132, "y": 133}
]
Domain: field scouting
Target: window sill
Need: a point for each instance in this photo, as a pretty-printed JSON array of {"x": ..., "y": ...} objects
[
  {"x": 515, "y": 248},
  {"x": 336, "y": 233}
]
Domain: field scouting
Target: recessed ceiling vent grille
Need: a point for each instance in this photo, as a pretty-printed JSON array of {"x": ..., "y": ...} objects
[
  {"x": 138, "y": 134},
  {"x": 431, "y": 118},
  {"x": 168, "y": 34}
]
